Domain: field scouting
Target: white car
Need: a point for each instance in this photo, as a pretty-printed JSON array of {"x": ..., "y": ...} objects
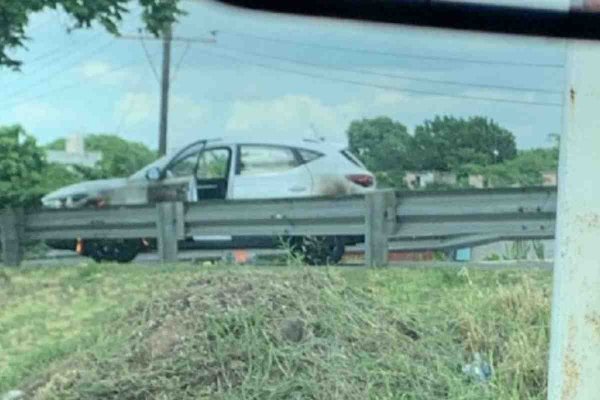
[{"x": 225, "y": 168}]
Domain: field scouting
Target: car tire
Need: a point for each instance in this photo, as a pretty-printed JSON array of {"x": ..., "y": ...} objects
[
  {"x": 120, "y": 251},
  {"x": 320, "y": 250}
]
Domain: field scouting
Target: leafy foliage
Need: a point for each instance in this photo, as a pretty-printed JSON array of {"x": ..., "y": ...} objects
[
  {"x": 381, "y": 143},
  {"x": 25, "y": 174},
  {"x": 15, "y": 14},
  {"x": 120, "y": 157},
  {"x": 446, "y": 143},
  {"x": 524, "y": 170},
  {"x": 22, "y": 164},
  {"x": 56, "y": 176},
  {"x": 384, "y": 146},
  {"x": 462, "y": 146}
]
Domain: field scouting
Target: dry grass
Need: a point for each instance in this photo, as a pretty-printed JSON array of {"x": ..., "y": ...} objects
[{"x": 288, "y": 333}]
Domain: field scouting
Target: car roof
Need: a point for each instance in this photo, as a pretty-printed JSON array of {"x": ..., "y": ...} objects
[{"x": 309, "y": 144}]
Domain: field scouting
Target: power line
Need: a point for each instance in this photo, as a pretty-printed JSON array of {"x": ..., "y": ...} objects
[
  {"x": 394, "y": 54},
  {"x": 173, "y": 39},
  {"x": 51, "y": 58},
  {"x": 138, "y": 84},
  {"x": 180, "y": 62},
  {"x": 103, "y": 73},
  {"x": 149, "y": 60},
  {"x": 61, "y": 48},
  {"x": 69, "y": 86},
  {"x": 381, "y": 74},
  {"x": 48, "y": 77},
  {"x": 379, "y": 86},
  {"x": 143, "y": 38},
  {"x": 55, "y": 52},
  {"x": 391, "y": 75}
]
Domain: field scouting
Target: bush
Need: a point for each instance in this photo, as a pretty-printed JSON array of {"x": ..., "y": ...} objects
[{"x": 22, "y": 163}]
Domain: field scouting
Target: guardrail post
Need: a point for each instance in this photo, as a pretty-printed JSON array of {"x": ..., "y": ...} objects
[
  {"x": 380, "y": 224},
  {"x": 11, "y": 234},
  {"x": 169, "y": 224}
]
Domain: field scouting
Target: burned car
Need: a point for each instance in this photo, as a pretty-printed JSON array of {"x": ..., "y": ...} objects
[{"x": 225, "y": 168}]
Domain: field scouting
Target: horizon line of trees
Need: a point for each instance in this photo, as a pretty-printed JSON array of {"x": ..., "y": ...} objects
[{"x": 463, "y": 146}]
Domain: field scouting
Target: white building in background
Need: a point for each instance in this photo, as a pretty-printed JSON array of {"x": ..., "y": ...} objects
[
  {"x": 477, "y": 181},
  {"x": 550, "y": 178},
  {"x": 74, "y": 153},
  {"x": 422, "y": 179},
  {"x": 506, "y": 250}
]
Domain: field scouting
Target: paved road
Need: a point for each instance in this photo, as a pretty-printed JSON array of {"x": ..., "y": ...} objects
[{"x": 66, "y": 258}]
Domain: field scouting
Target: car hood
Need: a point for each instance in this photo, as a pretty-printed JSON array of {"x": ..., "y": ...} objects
[{"x": 89, "y": 188}]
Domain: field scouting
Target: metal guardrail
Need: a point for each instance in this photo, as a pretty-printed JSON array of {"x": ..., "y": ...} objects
[
  {"x": 454, "y": 219},
  {"x": 413, "y": 220}
]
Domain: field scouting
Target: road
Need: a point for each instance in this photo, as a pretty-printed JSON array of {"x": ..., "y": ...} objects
[{"x": 263, "y": 257}]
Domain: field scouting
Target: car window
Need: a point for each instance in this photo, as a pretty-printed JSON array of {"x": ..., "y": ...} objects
[
  {"x": 213, "y": 164},
  {"x": 185, "y": 166},
  {"x": 309, "y": 155},
  {"x": 258, "y": 160},
  {"x": 352, "y": 158}
]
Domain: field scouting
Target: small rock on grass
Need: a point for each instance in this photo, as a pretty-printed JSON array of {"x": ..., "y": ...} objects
[{"x": 292, "y": 330}]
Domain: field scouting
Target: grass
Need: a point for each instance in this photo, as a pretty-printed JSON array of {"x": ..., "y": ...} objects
[
  {"x": 47, "y": 314},
  {"x": 183, "y": 332}
]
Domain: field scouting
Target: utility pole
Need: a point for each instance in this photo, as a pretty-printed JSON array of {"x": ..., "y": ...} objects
[
  {"x": 165, "y": 80},
  {"x": 164, "y": 91}
]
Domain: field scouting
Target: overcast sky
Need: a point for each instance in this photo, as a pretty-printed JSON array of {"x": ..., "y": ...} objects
[{"x": 91, "y": 82}]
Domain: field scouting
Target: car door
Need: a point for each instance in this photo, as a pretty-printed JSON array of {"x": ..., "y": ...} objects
[
  {"x": 183, "y": 166},
  {"x": 270, "y": 171},
  {"x": 212, "y": 173},
  {"x": 207, "y": 169}
]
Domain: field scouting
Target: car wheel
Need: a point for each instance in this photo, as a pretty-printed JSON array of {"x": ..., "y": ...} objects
[
  {"x": 321, "y": 250},
  {"x": 121, "y": 251}
]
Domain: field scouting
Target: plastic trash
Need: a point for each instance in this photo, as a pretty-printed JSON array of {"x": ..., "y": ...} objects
[
  {"x": 13, "y": 395},
  {"x": 480, "y": 370},
  {"x": 239, "y": 257}
]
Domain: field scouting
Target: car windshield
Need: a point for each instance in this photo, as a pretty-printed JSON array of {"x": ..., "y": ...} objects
[{"x": 160, "y": 163}]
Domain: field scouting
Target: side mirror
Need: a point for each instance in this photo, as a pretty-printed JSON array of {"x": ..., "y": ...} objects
[{"x": 153, "y": 174}]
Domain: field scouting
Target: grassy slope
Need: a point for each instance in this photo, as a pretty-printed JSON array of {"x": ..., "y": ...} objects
[
  {"x": 78, "y": 314},
  {"x": 46, "y": 314}
]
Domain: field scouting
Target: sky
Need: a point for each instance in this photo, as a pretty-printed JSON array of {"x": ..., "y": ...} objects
[{"x": 277, "y": 76}]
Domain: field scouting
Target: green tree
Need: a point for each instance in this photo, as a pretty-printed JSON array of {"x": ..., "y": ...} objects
[
  {"x": 384, "y": 146},
  {"x": 56, "y": 176},
  {"x": 120, "y": 157},
  {"x": 448, "y": 143},
  {"x": 22, "y": 164},
  {"x": 15, "y": 14},
  {"x": 526, "y": 169}
]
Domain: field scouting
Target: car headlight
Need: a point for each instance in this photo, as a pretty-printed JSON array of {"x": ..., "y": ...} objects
[{"x": 54, "y": 203}]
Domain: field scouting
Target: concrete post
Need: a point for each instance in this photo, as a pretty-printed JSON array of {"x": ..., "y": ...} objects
[
  {"x": 169, "y": 224},
  {"x": 574, "y": 371},
  {"x": 380, "y": 222},
  {"x": 11, "y": 235}
]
